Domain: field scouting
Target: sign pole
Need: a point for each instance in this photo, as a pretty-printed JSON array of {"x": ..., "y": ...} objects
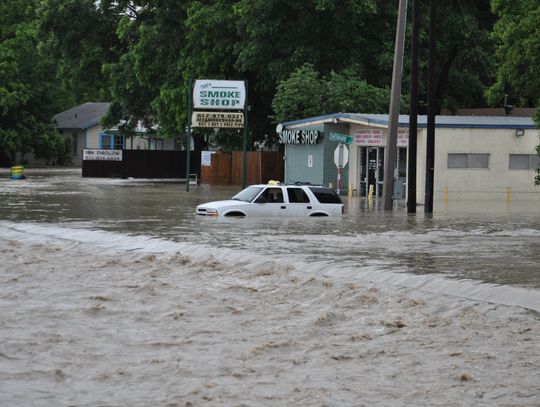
[
  {"x": 245, "y": 139},
  {"x": 341, "y": 158},
  {"x": 188, "y": 141},
  {"x": 339, "y": 180},
  {"x": 340, "y": 165}
]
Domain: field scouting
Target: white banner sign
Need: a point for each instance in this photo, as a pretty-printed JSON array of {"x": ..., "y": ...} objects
[
  {"x": 368, "y": 137},
  {"x": 206, "y": 158},
  {"x": 217, "y": 94},
  {"x": 102, "y": 155},
  {"x": 217, "y": 120}
]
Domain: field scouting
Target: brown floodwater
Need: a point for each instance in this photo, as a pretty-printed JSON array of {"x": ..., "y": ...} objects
[
  {"x": 485, "y": 241},
  {"x": 112, "y": 293}
]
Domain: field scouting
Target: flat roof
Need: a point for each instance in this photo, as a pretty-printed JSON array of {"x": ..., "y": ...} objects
[{"x": 382, "y": 120}]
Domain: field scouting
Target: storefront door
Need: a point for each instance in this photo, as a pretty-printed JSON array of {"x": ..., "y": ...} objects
[
  {"x": 399, "y": 183},
  {"x": 374, "y": 169}
]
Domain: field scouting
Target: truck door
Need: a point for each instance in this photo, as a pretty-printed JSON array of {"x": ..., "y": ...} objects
[{"x": 299, "y": 204}]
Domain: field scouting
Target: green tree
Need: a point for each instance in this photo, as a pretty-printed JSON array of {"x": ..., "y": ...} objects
[
  {"x": 146, "y": 82},
  {"x": 518, "y": 55},
  {"x": 81, "y": 37},
  {"x": 348, "y": 92},
  {"x": 139, "y": 54},
  {"x": 465, "y": 62},
  {"x": 306, "y": 94},
  {"x": 28, "y": 98},
  {"x": 264, "y": 41},
  {"x": 301, "y": 95},
  {"x": 517, "y": 35}
]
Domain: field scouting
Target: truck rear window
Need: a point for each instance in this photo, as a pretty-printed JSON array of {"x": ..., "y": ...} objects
[{"x": 325, "y": 195}]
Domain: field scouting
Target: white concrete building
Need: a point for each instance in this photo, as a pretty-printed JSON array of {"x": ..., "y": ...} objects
[{"x": 476, "y": 157}]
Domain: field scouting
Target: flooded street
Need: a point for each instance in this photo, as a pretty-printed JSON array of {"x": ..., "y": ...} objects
[
  {"x": 482, "y": 241},
  {"x": 113, "y": 293}
]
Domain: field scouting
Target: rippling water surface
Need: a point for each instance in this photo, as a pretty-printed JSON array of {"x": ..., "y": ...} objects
[{"x": 491, "y": 242}]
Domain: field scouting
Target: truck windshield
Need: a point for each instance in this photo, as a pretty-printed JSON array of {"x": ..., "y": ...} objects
[{"x": 248, "y": 194}]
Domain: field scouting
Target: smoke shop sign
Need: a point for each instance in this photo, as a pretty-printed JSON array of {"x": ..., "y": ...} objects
[
  {"x": 299, "y": 136},
  {"x": 218, "y": 94},
  {"x": 218, "y": 119}
]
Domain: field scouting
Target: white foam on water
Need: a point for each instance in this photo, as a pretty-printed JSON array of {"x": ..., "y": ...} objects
[{"x": 433, "y": 284}]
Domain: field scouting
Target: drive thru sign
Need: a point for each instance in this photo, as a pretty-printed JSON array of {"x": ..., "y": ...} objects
[{"x": 341, "y": 158}]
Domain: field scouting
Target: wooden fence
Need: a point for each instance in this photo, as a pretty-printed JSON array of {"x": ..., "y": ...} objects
[{"x": 226, "y": 168}]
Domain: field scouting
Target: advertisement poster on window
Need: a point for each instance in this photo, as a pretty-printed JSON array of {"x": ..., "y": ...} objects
[{"x": 206, "y": 158}]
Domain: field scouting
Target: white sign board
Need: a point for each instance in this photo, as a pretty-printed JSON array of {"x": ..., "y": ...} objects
[
  {"x": 218, "y": 94},
  {"x": 102, "y": 155},
  {"x": 219, "y": 120},
  {"x": 341, "y": 156},
  {"x": 403, "y": 137},
  {"x": 206, "y": 158},
  {"x": 310, "y": 160}
]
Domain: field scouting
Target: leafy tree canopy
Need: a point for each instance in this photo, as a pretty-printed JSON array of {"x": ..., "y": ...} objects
[
  {"x": 306, "y": 94},
  {"x": 139, "y": 55},
  {"x": 28, "y": 98},
  {"x": 517, "y": 35}
]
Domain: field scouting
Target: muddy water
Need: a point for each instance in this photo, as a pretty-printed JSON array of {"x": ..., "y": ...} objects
[
  {"x": 490, "y": 242},
  {"x": 112, "y": 293}
]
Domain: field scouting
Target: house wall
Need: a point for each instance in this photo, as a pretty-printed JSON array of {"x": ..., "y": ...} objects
[
  {"x": 92, "y": 137},
  {"x": 331, "y": 172},
  {"x": 496, "y": 181},
  {"x": 296, "y": 161}
]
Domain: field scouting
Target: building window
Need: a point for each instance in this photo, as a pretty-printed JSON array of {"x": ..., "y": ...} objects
[
  {"x": 119, "y": 142},
  {"x": 75, "y": 144},
  {"x": 106, "y": 141},
  {"x": 468, "y": 160},
  {"x": 111, "y": 142},
  {"x": 524, "y": 162}
]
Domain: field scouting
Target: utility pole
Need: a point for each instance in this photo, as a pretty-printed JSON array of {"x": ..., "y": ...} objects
[
  {"x": 391, "y": 149},
  {"x": 430, "y": 145},
  {"x": 245, "y": 138},
  {"x": 188, "y": 136},
  {"x": 413, "y": 117}
]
